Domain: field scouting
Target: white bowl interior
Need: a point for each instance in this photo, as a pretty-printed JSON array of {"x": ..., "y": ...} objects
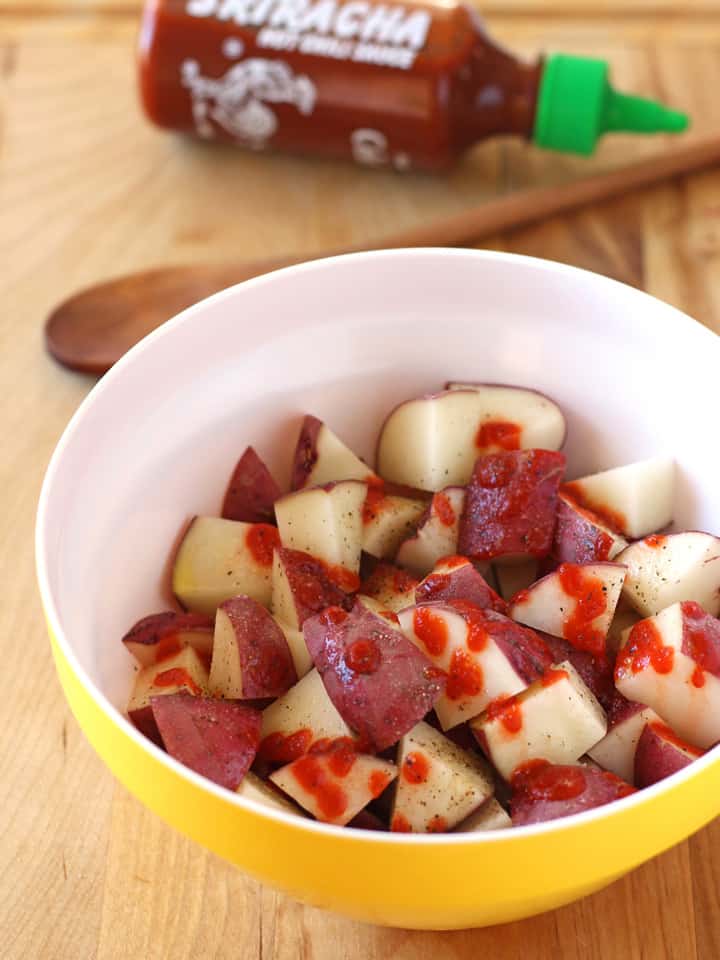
[{"x": 346, "y": 339}]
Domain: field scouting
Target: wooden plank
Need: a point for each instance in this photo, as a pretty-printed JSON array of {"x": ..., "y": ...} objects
[{"x": 89, "y": 190}]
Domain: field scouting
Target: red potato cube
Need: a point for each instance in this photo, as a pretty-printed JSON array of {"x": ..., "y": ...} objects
[
  {"x": 379, "y": 681},
  {"x": 251, "y": 658},
  {"x": 436, "y": 533},
  {"x": 670, "y": 662},
  {"x": 438, "y": 785},
  {"x": 302, "y": 661},
  {"x": 596, "y": 672},
  {"x": 392, "y": 587},
  {"x": 303, "y": 716},
  {"x": 581, "y": 536},
  {"x": 556, "y": 718},
  {"x": 162, "y": 635},
  {"x": 326, "y": 522},
  {"x": 515, "y": 576},
  {"x": 660, "y": 753},
  {"x": 183, "y": 671},
  {"x": 251, "y": 492},
  {"x": 335, "y": 784},
  {"x": 634, "y": 500},
  {"x": 303, "y": 586},
  {"x": 616, "y": 751},
  {"x": 219, "y": 559},
  {"x": 455, "y": 578},
  {"x": 576, "y": 602},
  {"x": 510, "y": 505},
  {"x": 216, "y": 738},
  {"x": 544, "y": 791},
  {"x": 662, "y": 570},
  {"x": 321, "y": 457},
  {"x": 489, "y": 816},
  {"x": 388, "y": 520},
  {"x": 266, "y": 794},
  {"x": 432, "y": 442},
  {"x": 484, "y": 654}
]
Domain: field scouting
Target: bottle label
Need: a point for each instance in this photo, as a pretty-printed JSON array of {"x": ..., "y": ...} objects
[{"x": 385, "y": 35}]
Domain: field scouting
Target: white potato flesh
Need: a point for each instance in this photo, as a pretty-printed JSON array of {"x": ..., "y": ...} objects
[
  {"x": 225, "y": 668},
  {"x": 439, "y": 785},
  {"x": 558, "y": 722},
  {"x": 639, "y": 495},
  {"x": 616, "y": 751},
  {"x": 393, "y": 589},
  {"x": 326, "y": 523},
  {"x": 306, "y": 706},
  {"x": 282, "y": 603},
  {"x": 686, "y": 697},
  {"x": 351, "y": 791},
  {"x": 298, "y": 648},
  {"x": 513, "y": 577},
  {"x": 184, "y": 671},
  {"x": 625, "y": 616},
  {"x": 437, "y": 534},
  {"x": 335, "y": 461},
  {"x": 218, "y": 559},
  {"x": 377, "y": 607},
  {"x": 433, "y": 442},
  {"x": 253, "y": 788},
  {"x": 679, "y": 566},
  {"x": 489, "y": 816},
  {"x": 548, "y": 606},
  {"x": 496, "y": 675},
  {"x": 387, "y": 522}
]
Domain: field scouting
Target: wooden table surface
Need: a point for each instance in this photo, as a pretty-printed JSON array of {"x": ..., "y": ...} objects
[{"x": 88, "y": 190}]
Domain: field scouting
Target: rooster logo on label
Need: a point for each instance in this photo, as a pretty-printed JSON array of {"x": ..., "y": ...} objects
[{"x": 238, "y": 101}]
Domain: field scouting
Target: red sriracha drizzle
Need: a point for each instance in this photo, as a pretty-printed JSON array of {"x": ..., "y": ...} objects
[
  {"x": 454, "y": 560},
  {"x": 508, "y": 711},
  {"x": 261, "y": 540},
  {"x": 437, "y": 824},
  {"x": 312, "y": 776},
  {"x": 465, "y": 677},
  {"x": 176, "y": 677},
  {"x": 374, "y": 502},
  {"x": 363, "y": 656},
  {"x": 431, "y": 630},
  {"x": 667, "y": 734},
  {"x": 444, "y": 509},
  {"x": 377, "y": 782},
  {"x": 611, "y": 518},
  {"x": 400, "y": 824},
  {"x": 498, "y": 433},
  {"x": 553, "y": 676},
  {"x": 347, "y": 580},
  {"x": 415, "y": 768},
  {"x": 591, "y": 602},
  {"x": 541, "y": 780},
  {"x": 644, "y": 648},
  {"x": 655, "y": 540}
]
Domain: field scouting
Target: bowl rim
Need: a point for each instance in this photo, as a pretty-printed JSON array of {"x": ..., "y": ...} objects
[{"x": 672, "y": 315}]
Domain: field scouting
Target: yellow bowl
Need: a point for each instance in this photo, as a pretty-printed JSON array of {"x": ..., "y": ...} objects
[{"x": 346, "y": 339}]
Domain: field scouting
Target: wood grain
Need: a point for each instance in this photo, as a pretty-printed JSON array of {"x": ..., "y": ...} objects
[{"x": 87, "y": 190}]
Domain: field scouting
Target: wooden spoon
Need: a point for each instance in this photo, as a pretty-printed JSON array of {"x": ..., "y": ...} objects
[{"x": 94, "y": 328}]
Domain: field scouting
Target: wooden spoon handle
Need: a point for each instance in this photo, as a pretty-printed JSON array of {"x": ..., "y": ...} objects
[{"x": 95, "y": 327}]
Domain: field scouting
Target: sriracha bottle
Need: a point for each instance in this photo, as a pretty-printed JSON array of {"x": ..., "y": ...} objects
[{"x": 409, "y": 85}]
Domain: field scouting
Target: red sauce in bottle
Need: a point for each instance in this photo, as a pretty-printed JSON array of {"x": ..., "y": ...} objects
[
  {"x": 312, "y": 776},
  {"x": 498, "y": 435},
  {"x": 444, "y": 509},
  {"x": 405, "y": 85},
  {"x": 590, "y": 603},
  {"x": 644, "y": 649},
  {"x": 415, "y": 768},
  {"x": 431, "y": 630},
  {"x": 176, "y": 677},
  {"x": 261, "y": 540}
]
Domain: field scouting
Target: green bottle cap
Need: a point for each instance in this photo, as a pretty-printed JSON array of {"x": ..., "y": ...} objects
[{"x": 576, "y": 105}]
